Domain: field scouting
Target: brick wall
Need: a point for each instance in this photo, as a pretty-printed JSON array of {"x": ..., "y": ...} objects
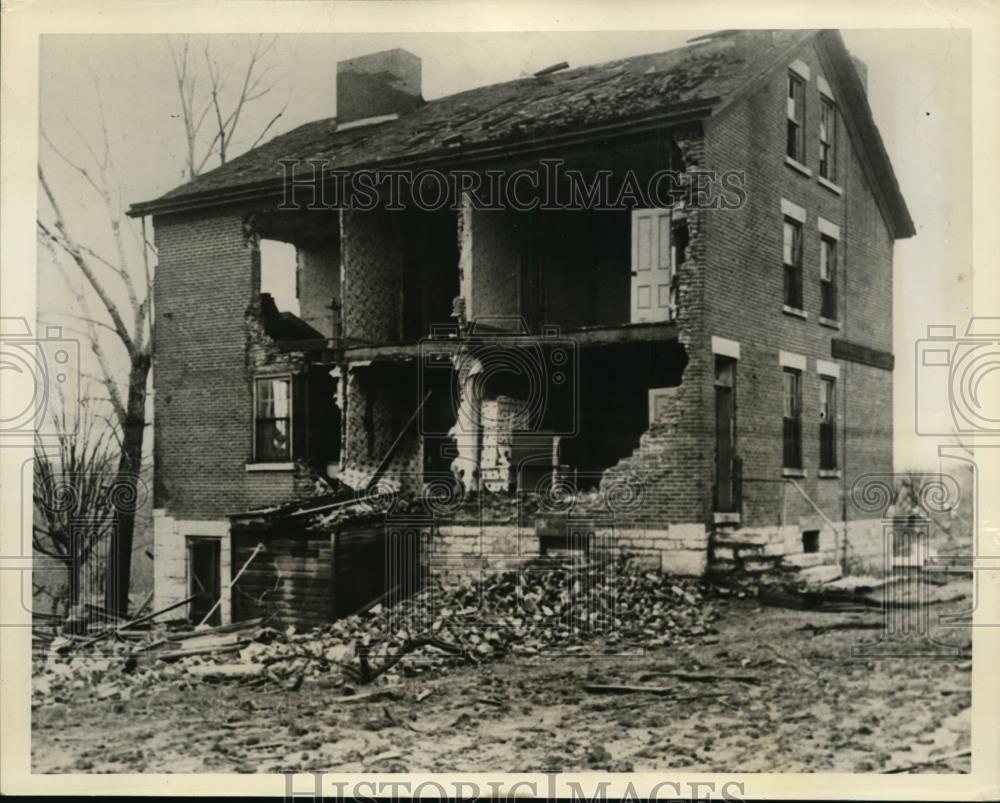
[
  {"x": 743, "y": 292},
  {"x": 207, "y": 277},
  {"x": 673, "y": 461}
]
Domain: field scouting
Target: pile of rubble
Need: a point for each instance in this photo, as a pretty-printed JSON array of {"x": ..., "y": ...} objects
[{"x": 586, "y": 609}]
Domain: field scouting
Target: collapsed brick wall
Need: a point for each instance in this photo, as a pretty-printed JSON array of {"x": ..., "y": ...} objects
[{"x": 673, "y": 462}]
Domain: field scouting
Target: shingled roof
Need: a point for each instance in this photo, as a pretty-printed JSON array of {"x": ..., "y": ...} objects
[{"x": 684, "y": 83}]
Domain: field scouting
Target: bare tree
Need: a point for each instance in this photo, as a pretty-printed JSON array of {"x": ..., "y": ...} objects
[
  {"x": 131, "y": 325},
  {"x": 121, "y": 281},
  {"x": 206, "y": 98},
  {"x": 73, "y": 513}
]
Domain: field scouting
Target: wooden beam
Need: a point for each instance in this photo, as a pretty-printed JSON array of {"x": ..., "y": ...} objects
[{"x": 583, "y": 336}]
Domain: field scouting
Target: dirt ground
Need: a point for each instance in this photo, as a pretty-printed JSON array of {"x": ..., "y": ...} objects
[{"x": 803, "y": 705}]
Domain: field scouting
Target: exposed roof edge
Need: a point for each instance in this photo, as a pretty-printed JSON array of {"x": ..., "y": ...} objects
[
  {"x": 680, "y": 113},
  {"x": 853, "y": 99}
]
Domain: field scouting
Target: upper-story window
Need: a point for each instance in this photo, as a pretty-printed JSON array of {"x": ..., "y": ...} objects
[
  {"x": 827, "y": 140},
  {"x": 792, "y": 264},
  {"x": 796, "y": 117},
  {"x": 273, "y": 420},
  {"x": 828, "y": 277}
]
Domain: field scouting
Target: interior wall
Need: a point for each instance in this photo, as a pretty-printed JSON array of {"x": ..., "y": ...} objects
[
  {"x": 568, "y": 268},
  {"x": 318, "y": 283},
  {"x": 372, "y": 259},
  {"x": 494, "y": 240}
]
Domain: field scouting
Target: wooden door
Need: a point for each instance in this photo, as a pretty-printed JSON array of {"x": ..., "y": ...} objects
[
  {"x": 725, "y": 436},
  {"x": 652, "y": 298}
]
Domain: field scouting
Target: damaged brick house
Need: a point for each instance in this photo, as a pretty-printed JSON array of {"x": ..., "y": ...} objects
[{"x": 700, "y": 386}]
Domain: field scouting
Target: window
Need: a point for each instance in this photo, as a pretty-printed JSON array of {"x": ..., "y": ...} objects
[
  {"x": 793, "y": 263},
  {"x": 828, "y": 277},
  {"x": 827, "y": 423},
  {"x": 827, "y": 140},
  {"x": 792, "y": 419},
  {"x": 810, "y": 541},
  {"x": 796, "y": 117},
  {"x": 273, "y": 420}
]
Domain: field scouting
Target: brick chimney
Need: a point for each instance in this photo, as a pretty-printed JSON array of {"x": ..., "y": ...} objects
[
  {"x": 378, "y": 84},
  {"x": 862, "y": 69}
]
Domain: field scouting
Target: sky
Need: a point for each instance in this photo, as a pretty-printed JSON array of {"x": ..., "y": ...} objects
[{"x": 919, "y": 85}]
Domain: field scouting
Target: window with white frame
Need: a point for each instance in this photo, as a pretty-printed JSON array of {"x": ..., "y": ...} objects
[
  {"x": 827, "y": 423},
  {"x": 828, "y": 277},
  {"x": 273, "y": 420},
  {"x": 827, "y": 139},
  {"x": 792, "y": 258},
  {"x": 796, "y": 112},
  {"x": 792, "y": 417}
]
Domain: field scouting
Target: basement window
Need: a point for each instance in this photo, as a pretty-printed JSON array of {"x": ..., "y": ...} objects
[{"x": 810, "y": 541}]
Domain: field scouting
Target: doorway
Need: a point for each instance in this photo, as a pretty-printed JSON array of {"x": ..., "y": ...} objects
[
  {"x": 725, "y": 435},
  {"x": 204, "y": 571}
]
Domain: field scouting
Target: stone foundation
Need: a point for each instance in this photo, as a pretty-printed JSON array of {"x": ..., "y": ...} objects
[
  {"x": 470, "y": 549},
  {"x": 757, "y": 550}
]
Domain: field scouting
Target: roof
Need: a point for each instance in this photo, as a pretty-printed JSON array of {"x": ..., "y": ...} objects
[{"x": 595, "y": 100}]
